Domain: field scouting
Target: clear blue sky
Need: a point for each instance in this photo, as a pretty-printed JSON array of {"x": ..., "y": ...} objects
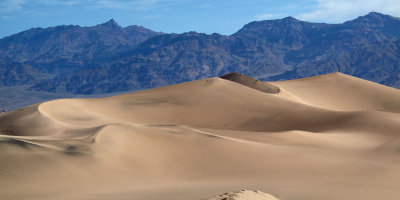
[{"x": 177, "y": 16}]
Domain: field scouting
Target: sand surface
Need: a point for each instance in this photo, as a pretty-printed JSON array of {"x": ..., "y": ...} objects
[
  {"x": 327, "y": 137},
  {"x": 244, "y": 195}
]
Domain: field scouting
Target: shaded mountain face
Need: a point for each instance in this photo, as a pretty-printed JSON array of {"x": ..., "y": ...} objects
[
  {"x": 366, "y": 47},
  {"x": 65, "y": 49},
  {"x": 14, "y": 73}
]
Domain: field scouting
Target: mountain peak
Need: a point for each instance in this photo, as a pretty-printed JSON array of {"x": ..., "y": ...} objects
[
  {"x": 111, "y": 23},
  {"x": 274, "y": 25},
  {"x": 290, "y": 18},
  {"x": 374, "y": 17}
]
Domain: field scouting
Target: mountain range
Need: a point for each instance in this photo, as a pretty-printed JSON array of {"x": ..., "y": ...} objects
[{"x": 109, "y": 58}]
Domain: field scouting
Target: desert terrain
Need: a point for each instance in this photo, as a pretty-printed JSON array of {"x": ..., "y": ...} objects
[{"x": 326, "y": 137}]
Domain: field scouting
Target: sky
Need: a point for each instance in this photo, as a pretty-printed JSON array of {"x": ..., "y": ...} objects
[{"x": 178, "y": 16}]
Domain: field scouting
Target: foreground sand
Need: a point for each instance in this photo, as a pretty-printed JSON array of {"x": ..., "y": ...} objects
[{"x": 327, "y": 137}]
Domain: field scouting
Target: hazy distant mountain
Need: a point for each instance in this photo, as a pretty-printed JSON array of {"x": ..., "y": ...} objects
[{"x": 108, "y": 58}]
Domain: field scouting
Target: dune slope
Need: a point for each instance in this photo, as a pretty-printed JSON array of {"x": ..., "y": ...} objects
[
  {"x": 336, "y": 134},
  {"x": 339, "y": 91},
  {"x": 244, "y": 195}
]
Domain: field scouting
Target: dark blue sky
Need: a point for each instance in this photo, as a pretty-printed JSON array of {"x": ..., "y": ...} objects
[{"x": 177, "y": 16}]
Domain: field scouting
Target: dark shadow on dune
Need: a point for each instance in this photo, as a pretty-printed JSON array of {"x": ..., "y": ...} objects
[
  {"x": 76, "y": 150},
  {"x": 14, "y": 142},
  {"x": 251, "y": 82}
]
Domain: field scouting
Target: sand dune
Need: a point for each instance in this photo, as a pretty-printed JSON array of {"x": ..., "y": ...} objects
[
  {"x": 342, "y": 92},
  {"x": 244, "y": 195},
  {"x": 327, "y": 137}
]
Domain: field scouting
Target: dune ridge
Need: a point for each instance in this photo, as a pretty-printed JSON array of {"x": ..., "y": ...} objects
[
  {"x": 334, "y": 133},
  {"x": 251, "y": 82}
]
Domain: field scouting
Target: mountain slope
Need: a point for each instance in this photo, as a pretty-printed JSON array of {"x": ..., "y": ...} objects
[
  {"x": 15, "y": 73},
  {"x": 63, "y": 49}
]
